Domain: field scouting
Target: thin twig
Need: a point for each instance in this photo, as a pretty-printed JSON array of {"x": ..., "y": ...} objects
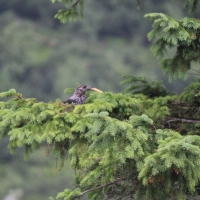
[
  {"x": 193, "y": 73},
  {"x": 74, "y": 5},
  {"x": 101, "y": 186},
  {"x": 195, "y": 70},
  {"x": 183, "y": 120}
]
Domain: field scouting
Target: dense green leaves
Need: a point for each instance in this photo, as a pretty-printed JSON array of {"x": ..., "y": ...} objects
[
  {"x": 74, "y": 9},
  {"x": 95, "y": 138},
  {"x": 29, "y": 122},
  {"x": 141, "y": 85},
  {"x": 175, "y": 164},
  {"x": 180, "y": 34},
  {"x": 108, "y": 136}
]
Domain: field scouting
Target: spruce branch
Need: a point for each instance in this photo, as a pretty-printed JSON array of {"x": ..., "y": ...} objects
[
  {"x": 193, "y": 3},
  {"x": 180, "y": 34},
  {"x": 71, "y": 12},
  {"x": 73, "y": 6},
  {"x": 172, "y": 119},
  {"x": 101, "y": 186},
  {"x": 196, "y": 72}
]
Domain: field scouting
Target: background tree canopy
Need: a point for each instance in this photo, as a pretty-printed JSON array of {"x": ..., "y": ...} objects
[{"x": 123, "y": 145}]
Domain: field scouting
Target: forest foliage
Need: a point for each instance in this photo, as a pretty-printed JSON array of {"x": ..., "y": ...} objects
[{"x": 142, "y": 143}]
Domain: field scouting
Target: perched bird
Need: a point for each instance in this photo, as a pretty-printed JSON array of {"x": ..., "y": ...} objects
[{"x": 79, "y": 95}]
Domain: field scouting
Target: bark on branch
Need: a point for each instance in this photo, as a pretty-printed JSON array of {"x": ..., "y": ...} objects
[
  {"x": 172, "y": 119},
  {"x": 101, "y": 186}
]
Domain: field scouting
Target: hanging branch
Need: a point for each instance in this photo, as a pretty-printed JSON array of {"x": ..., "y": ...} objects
[{"x": 71, "y": 12}]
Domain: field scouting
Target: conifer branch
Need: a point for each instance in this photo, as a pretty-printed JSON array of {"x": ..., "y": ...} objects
[
  {"x": 171, "y": 119},
  {"x": 71, "y": 12},
  {"x": 101, "y": 186},
  {"x": 74, "y": 5}
]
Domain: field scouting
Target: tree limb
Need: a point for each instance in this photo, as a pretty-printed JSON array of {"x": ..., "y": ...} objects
[
  {"x": 101, "y": 186},
  {"x": 171, "y": 119}
]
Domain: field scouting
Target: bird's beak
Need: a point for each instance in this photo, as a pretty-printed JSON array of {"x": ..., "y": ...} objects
[{"x": 96, "y": 90}]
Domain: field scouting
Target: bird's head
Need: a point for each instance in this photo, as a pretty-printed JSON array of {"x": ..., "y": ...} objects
[
  {"x": 82, "y": 89},
  {"x": 79, "y": 95}
]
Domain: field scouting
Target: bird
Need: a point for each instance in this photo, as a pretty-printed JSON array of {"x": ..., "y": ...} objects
[{"x": 79, "y": 95}]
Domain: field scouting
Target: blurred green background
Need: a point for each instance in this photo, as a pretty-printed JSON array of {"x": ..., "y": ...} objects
[{"x": 40, "y": 57}]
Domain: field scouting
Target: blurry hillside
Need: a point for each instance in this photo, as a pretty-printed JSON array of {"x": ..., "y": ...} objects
[{"x": 40, "y": 57}]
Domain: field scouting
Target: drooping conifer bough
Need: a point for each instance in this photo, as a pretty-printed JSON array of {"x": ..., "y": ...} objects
[{"x": 79, "y": 95}]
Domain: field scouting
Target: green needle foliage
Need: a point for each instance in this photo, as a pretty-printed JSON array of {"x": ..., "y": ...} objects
[
  {"x": 121, "y": 146},
  {"x": 140, "y": 144},
  {"x": 193, "y": 4},
  {"x": 141, "y": 85},
  {"x": 74, "y": 10},
  {"x": 180, "y": 34}
]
